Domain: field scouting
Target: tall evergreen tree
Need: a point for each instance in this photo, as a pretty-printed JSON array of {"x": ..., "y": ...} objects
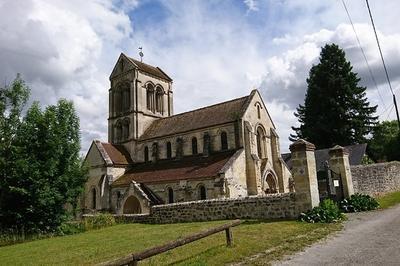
[{"x": 335, "y": 110}]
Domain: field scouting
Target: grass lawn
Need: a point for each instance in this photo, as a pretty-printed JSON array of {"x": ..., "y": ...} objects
[
  {"x": 389, "y": 199},
  {"x": 250, "y": 238}
]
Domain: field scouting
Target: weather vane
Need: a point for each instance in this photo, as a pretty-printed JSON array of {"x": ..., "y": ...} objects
[{"x": 141, "y": 54}]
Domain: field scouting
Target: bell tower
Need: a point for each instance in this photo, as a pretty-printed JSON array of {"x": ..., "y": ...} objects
[{"x": 139, "y": 94}]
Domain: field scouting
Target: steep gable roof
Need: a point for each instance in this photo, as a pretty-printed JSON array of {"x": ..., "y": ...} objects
[
  {"x": 112, "y": 154},
  {"x": 209, "y": 116},
  {"x": 155, "y": 71}
]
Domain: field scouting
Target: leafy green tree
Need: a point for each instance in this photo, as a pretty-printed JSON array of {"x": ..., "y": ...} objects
[
  {"x": 44, "y": 171},
  {"x": 336, "y": 110},
  {"x": 384, "y": 144}
]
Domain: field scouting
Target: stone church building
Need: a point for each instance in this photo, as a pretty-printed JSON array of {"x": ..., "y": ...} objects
[{"x": 226, "y": 150}]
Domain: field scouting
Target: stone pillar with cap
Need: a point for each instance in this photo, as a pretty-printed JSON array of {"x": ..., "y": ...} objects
[
  {"x": 339, "y": 163},
  {"x": 304, "y": 173}
]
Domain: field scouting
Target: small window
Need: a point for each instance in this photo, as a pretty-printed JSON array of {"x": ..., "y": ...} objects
[
  {"x": 170, "y": 195},
  {"x": 203, "y": 193},
  {"x": 224, "y": 141},
  {"x": 258, "y": 112},
  {"x": 146, "y": 154},
  {"x": 93, "y": 198},
  {"x": 194, "y": 145},
  {"x": 169, "y": 150}
]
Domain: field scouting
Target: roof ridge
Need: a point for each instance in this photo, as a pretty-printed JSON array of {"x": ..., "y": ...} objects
[{"x": 204, "y": 107}]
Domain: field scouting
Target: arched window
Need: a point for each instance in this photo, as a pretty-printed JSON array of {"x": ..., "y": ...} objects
[
  {"x": 169, "y": 150},
  {"x": 126, "y": 98},
  {"x": 258, "y": 111},
  {"x": 159, "y": 100},
  {"x": 146, "y": 154},
  {"x": 202, "y": 192},
  {"x": 93, "y": 198},
  {"x": 118, "y": 131},
  {"x": 270, "y": 185},
  {"x": 125, "y": 129},
  {"x": 194, "y": 145},
  {"x": 224, "y": 141},
  {"x": 170, "y": 195},
  {"x": 260, "y": 143},
  {"x": 179, "y": 148},
  {"x": 150, "y": 97}
]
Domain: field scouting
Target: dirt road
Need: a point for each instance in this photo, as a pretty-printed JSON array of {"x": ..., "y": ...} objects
[{"x": 369, "y": 238}]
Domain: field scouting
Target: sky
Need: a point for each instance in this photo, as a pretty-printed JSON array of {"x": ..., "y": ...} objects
[{"x": 214, "y": 50}]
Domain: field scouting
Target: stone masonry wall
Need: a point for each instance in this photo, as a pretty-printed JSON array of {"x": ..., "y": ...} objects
[
  {"x": 276, "y": 206},
  {"x": 375, "y": 179}
]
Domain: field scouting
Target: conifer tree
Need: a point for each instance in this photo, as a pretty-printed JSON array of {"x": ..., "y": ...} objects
[{"x": 336, "y": 109}]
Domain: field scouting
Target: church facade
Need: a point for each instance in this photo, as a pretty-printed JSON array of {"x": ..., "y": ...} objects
[{"x": 226, "y": 150}]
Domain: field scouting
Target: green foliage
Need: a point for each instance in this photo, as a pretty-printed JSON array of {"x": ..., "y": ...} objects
[
  {"x": 335, "y": 110},
  {"x": 359, "y": 203},
  {"x": 326, "y": 212},
  {"x": 385, "y": 142},
  {"x": 40, "y": 168},
  {"x": 98, "y": 221}
]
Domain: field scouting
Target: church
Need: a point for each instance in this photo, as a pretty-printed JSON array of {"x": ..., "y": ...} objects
[{"x": 153, "y": 156}]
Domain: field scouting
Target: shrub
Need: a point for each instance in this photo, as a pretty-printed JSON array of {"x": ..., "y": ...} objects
[
  {"x": 98, "y": 221},
  {"x": 70, "y": 228},
  {"x": 327, "y": 212},
  {"x": 359, "y": 202}
]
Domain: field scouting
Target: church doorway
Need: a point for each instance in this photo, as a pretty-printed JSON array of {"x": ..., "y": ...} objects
[
  {"x": 132, "y": 206},
  {"x": 270, "y": 187}
]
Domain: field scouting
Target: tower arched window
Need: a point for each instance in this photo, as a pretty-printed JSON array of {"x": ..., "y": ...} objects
[
  {"x": 118, "y": 131},
  {"x": 150, "y": 97},
  {"x": 261, "y": 142},
  {"x": 169, "y": 150},
  {"x": 258, "y": 111},
  {"x": 146, "y": 154},
  {"x": 194, "y": 145},
  {"x": 126, "y": 98},
  {"x": 224, "y": 141},
  {"x": 159, "y": 100},
  {"x": 125, "y": 129},
  {"x": 170, "y": 195}
]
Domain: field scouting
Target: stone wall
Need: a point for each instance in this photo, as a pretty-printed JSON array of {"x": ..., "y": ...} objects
[
  {"x": 277, "y": 206},
  {"x": 375, "y": 179}
]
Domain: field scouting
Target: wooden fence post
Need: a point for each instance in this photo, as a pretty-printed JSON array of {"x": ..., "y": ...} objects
[{"x": 229, "y": 240}]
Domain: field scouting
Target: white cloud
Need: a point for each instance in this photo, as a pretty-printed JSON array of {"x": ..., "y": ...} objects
[{"x": 251, "y": 5}]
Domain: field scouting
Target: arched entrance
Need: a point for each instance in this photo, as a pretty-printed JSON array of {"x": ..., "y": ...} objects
[
  {"x": 270, "y": 184},
  {"x": 132, "y": 206}
]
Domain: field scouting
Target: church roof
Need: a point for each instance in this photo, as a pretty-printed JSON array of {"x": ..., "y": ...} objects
[
  {"x": 209, "y": 116},
  {"x": 187, "y": 168},
  {"x": 356, "y": 154},
  {"x": 113, "y": 154},
  {"x": 155, "y": 71}
]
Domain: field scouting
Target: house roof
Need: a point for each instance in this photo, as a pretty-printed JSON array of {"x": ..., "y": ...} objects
[
  {"x": 113, "y": 154},
  {"x": 212, "y": 115},
  {"x": 190, "y": 167},
  {"x": 356, "y": 154},
  {"x": 155, "y": 71}
]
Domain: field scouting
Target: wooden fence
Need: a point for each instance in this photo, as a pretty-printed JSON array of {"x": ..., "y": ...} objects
[{"x": 134, "y": 258}]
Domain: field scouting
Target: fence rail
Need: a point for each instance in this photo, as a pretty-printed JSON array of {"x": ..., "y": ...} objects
[{"x": 134, "y": 258}]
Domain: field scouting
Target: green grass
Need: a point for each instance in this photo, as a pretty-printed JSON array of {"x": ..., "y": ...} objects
[
  {"x": 250, "y": 238},
  {"x": 389, "y": 200}
]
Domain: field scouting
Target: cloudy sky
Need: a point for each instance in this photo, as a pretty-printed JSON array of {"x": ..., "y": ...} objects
[{"x": 214, "y": 50}]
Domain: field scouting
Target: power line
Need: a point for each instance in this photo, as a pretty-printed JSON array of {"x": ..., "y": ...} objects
[
  {"x": 363, "y": 53},
  {"x": 383, "y": 62}
]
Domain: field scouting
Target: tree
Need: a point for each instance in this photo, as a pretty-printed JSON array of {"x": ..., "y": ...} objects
[
  {"x": 385, "y": 143},
  {"x": 41, "y": 170},
  {"x": 335, "y": 110}
]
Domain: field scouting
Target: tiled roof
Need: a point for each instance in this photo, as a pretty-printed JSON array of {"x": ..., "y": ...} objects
[
  {"x": 155, "y": 71},
  {"x": 191, "y": 167},
  {"x": 356, "y": 154},
  {"x": 117, "y": 153},
  {"x": 204, "y": 117}
]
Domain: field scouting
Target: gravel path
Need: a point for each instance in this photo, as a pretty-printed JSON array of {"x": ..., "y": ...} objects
[{"x": 369, "y": 238}]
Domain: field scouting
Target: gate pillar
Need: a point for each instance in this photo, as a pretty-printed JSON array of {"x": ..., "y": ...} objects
[
  {"x": 339, "y": 163},
  {"x": 304, "y": 173}
]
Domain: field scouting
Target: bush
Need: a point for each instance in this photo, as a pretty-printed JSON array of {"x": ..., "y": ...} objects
[
  {"x": 327, "y": 212},
  {"x": 358, "y": 203},
  {"x": 98, "y": 221}
]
